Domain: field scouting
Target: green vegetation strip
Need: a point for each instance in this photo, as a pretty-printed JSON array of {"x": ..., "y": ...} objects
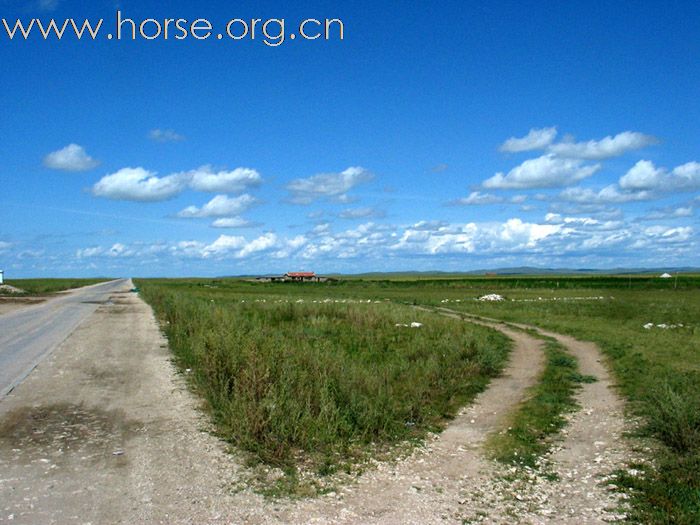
[
  {"x": 321, "y": 385},
  {"x": 44, "y": 286},
  {"x": 542, "y": 415},
  {"x": 658, "y": 371}
]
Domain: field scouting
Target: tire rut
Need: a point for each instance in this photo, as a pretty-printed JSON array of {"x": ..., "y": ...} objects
[{"x": 592, "y": 444}]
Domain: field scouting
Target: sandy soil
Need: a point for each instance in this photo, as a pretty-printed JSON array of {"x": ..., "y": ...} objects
[{"x": 105, "y": 431}]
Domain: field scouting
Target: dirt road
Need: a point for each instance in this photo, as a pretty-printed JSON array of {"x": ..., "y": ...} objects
[{"x": 31, "y": 332}]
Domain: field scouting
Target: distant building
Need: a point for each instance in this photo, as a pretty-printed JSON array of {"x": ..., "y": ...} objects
[
  {"x": 665, "y": 275},
  {"x": 302, "y": 276},
  {"x": 297, "y": 277},
  {"x": 2, "y": 277}
]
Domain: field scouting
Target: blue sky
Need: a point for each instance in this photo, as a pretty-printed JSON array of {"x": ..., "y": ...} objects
[{"x": 435, "y": 136}]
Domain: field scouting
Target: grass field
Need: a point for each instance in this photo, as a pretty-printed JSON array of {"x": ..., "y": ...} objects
[
  {"x": 45, "y": 286},
  {"x": 316, "y": 383},
  {"x": 657, "y": 368},
  {"x": 344, "y": 363}
]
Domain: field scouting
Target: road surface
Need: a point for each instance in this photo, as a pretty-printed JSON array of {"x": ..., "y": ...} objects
[{"x": 30, "y": 334}]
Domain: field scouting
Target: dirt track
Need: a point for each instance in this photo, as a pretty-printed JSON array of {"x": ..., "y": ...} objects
[{"x": 105, "y": 431}]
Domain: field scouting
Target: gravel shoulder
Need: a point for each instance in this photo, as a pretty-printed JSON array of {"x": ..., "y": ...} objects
[{"x": 105, "y": 431}]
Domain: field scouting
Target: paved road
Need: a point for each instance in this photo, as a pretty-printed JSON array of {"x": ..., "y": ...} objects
[{"x": 30, "y": 334}]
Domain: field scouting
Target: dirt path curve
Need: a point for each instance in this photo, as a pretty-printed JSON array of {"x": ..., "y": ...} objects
[
  {"x": 592, "y": 446},
  {"x": 431, "y": 485}
]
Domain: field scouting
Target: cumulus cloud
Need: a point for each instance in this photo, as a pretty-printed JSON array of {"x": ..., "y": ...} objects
[
  {"x": 605, "y": 148},
  {"x": 71, "y": 158},
  {"x": 238, "y": 247},
  {"x": 327, "y": 185},
  {"x": 139, "y": 184},
  {"x": 165, "y": 135},
  {"x": 547, "y": 171},
  {"x": 512, "y": 235},
  {"x": 644, "y": 175},
  {"x": 556, "y": 236},
  {"x": 223, "y": 181},
  {"x": 535, "y": 139},
  {"x": 220, "y": 206},
  {"x": 231, "y": 222}
]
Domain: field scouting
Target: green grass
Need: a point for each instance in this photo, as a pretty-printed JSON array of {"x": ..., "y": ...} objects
[
  {"x": 538, "y": 419},
  {"x": 320, "y": 385},
  {"x": 657, "y": 370},
  {"x": 45, "y": 286}
]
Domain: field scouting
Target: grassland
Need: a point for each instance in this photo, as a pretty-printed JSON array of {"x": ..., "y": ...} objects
[
  {"x": 657, "y": 369},
  {"x": 317, "y": 383},
  {"x": 47, "y": 286}
]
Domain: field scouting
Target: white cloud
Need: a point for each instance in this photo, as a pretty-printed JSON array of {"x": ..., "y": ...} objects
[
  {"x": 93, "y": 251},
  {"x": 261, "y": 244},
  {"x": 605, "y": 148},
  {"x": 4, "y": 246},
  {"x": 535, "y": 139},
  {"x": 547, "y": 171},
  {"x": 512, "y": 235},
  {"x": 231, "y": 222},
  {"x": 233, "y": 181},
  {"x": 327, "y": 185},
  {"x": 609, "y": 195},
  {"x": 224, "y": 244},
  {"x": 642, "y": 176},
  {"x": 220, "y": 206},
  {"x": 238, "y": 246},
  {"x": 686, "y": 177},
  {"x": 71, "y": 158},
  {"x": 655, "y": 236},
  {"x": 139, "y": 184},
  {"x": 116, "y": 250},
  {"x": 476, "y": 198},
  {"x": 668, "y": 213},
  {"x": 165, "y": 135}
]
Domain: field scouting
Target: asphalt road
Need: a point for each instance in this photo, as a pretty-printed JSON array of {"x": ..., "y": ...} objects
[{"x": 30, "y": 334}]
